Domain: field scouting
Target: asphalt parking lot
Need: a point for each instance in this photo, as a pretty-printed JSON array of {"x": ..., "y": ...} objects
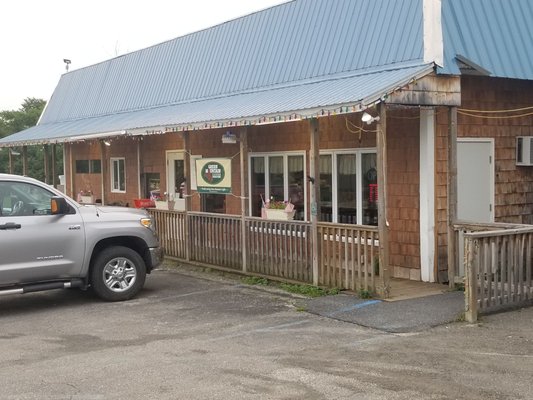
[{"x": 193, "y": 336}]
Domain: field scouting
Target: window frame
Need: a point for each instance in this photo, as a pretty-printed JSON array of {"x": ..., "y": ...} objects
[
  {"x": 358, "y": 152},
  {"x": 266, "y": 157},
  {"x": 112, "y": 161}
]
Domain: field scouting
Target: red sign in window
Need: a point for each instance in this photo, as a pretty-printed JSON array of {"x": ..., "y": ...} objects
[{"x": 373, "y": 195}]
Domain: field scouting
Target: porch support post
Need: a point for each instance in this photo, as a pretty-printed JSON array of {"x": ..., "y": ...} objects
[
  {"x": 314, "y": 179},
  {"x": 103, "y": 170},
  {"x": 427, "y": 194},
  {"x": 383, "y": 288},
  {"x": 452, "y": 193},
  {"x": 64, "y": 168},
  {"x": 244, "y": 195},
  {"x": 53, "y": 166},
  {"x": 46, "y": 159},
  {"x": 25, "y": 160},
  {"x": 139, "y": 169},
  {"x": 72, "y": 169},
  {"x": 10, "y": 155},
  {"x": 187, "y": 167}
]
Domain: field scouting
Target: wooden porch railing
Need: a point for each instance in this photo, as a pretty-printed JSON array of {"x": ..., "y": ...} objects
[
  {"x": 276, "y": 249},
  {"x": 349, "y": 256},
  {"x": 280, "y": 249},
  {"x": 215, "y": 239},
  {"x": 498, "y": 268}
]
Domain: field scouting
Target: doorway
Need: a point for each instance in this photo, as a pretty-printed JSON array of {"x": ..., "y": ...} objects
[
  {"x": 475, "y": 185},
  {"x": 475, "y": 180}
]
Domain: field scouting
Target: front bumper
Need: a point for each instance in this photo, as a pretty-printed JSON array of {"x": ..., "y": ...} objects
[{"x": 156, "y": 256}]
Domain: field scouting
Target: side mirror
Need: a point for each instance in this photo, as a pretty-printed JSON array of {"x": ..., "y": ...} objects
[{"x": 59, "y": 206}]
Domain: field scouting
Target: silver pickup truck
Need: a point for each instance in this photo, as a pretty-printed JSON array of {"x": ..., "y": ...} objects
[{"x": 49, "y": 241}]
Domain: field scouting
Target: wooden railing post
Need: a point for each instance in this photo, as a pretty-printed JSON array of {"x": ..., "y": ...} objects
[{"x": 471, "y": 309}]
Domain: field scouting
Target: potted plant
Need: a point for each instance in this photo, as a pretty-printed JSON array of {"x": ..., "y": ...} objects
[
  {"x": 85, "y": 196},
  {"x": 279, "y": 210}
]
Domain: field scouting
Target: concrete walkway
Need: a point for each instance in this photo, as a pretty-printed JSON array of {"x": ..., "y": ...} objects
[
  {"x": 413, "y": 306},
  {"x": 409, "y": 315}
]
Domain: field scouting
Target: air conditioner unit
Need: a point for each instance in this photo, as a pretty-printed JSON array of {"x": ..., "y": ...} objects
[{"x": 524, "y": 150}]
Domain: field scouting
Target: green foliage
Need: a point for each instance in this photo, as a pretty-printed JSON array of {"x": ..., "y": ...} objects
[
  {"x": 306, "y": 290},
  {"x": 254, "y": 280},
  {"x": 309, "y": 290},
  {"x": 364, "y": 294},
  {"x": 14, "y": 121}
]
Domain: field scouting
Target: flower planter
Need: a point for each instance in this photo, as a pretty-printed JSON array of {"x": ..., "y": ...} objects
[
  {"x": 86, "y": 199},
  {"x": 179, "y": 205},
  {"x": 272, "y": 213},
  {"x": 164, "y": 205}
]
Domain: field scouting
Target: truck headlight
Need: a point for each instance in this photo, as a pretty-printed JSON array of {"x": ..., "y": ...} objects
[{"x": 147, "y": 222}]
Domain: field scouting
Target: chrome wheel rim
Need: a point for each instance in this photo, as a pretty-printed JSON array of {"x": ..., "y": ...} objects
[{"x": 120, "y": 274}]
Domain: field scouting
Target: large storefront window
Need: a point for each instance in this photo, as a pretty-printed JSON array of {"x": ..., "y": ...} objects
[
  {"x": 278, "y": 176},
  {"x": 348, "y": 187}
]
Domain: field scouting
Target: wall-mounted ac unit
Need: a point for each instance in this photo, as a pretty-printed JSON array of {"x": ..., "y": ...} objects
[{"x": 524, "y": 150}]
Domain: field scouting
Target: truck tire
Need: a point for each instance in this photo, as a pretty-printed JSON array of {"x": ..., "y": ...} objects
[{"x": 118, "y": 274}]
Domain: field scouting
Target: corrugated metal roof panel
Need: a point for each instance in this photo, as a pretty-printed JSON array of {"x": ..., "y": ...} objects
[
  {"x": 305, "y": 98},
  {"x": 291, "y": 42},
  {"x": 494, "y": 34},
  {"x": 303, "y": 43}
]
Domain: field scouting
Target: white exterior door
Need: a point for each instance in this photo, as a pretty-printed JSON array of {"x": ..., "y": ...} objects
[
  {"x": 475, "y": 185},
  {"x": 175, "y": 174},
  {"x": 475, "y": 180}
]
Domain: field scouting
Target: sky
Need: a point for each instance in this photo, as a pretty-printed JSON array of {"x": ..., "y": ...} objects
[{"x": 37, "y": 35}]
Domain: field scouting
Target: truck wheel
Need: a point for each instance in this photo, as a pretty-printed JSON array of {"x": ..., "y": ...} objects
[{"x": 118, "y": 274}]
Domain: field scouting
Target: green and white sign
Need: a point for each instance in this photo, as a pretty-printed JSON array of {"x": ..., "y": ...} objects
[{"x": 213, "y": 175}]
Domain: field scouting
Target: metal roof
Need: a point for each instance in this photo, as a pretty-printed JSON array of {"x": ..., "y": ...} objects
[
  {"x": 496, "y": 35},
  {"x": 291, "y": 42},
  {"x": 287, "y": 101},
  {"x": 289, "y": 58}
]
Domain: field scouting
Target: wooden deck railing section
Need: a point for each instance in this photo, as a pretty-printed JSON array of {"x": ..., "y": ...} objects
[
  {"x": 280, "y": 249},
  {"x": 348, "y": 254},
  {"x": 498, "y": 267}
]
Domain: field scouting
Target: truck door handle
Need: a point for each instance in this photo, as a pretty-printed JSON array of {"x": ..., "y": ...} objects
[{"x": 10, "y": 225}]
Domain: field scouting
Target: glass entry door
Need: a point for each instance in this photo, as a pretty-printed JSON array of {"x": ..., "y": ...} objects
[{"x": 175, "y": 175}]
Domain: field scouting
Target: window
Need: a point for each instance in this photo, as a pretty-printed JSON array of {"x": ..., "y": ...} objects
[
  {"x": 82, "y": 166},
  {"x": 23, "y": 199},
  {"x": 348, "y": 187},
  {"x": 118, "y": 175},
  {"x": 95, "y": 166},
  {"x": 88, "y": 166},
  {"x": 278, "y": 176}
]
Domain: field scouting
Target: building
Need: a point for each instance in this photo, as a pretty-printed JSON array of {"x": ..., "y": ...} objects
[{"x": 400, "y": 114}]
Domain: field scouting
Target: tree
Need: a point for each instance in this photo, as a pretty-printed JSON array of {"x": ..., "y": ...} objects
[{"x": 14, "y": 121}]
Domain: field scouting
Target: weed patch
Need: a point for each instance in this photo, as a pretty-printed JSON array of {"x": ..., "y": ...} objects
[{"x": 308, "y": 290}]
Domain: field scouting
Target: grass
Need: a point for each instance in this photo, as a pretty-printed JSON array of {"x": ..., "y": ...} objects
[
  {"x": 308, "y": 290},
  {"x": 305, "y": 290},
  {"x": 255, "y": 280}
]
